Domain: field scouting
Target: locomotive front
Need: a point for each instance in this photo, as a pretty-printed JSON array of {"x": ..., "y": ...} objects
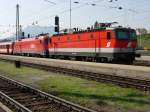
[{"x": 126, "y": 43}]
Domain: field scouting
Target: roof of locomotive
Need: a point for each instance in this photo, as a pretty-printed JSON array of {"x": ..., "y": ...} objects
[
  {"x": 95, "y": 30},
  {"x": 123, "y": 28},
  {"x": 79, "y": 32},
  {"x": 32, "y": 38}
]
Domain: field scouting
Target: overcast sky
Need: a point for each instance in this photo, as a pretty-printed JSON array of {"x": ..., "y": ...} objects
[{"x": 135, "y": 13}]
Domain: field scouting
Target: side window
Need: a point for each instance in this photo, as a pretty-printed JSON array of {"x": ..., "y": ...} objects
[
  {"x": 46, "y": 41},
  {"x": 108, "y": 35}
]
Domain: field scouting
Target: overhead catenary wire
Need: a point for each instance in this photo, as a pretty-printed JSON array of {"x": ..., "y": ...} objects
[
  {"x": 50, "y": 2},
  {"x": 40, "y": 12},
  {"x": 64, "y": 11}
]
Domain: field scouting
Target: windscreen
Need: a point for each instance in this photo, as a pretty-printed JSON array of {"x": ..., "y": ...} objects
[
  {"x": 125, "y": 34},
  {"x": 132, "y": 35}
]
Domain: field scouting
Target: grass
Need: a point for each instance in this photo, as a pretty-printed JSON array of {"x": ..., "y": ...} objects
[{"x": 87, "y": 93}]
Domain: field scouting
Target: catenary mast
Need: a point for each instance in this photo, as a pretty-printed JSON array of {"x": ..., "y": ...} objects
[{"x": 17, "y": 22}]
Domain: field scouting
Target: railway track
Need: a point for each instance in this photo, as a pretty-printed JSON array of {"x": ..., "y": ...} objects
[
  {"x": 143, "y": 85},
  {"x": 140, "y": 84},
  {"x": 22, "y": 98}
]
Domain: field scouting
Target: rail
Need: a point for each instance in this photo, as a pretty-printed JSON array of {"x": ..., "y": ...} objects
[{"x": 21, "y": 92}]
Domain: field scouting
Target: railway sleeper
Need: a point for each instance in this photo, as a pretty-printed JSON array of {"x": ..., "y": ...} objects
[
  {"x": 44, "y": 108},
  {"x": 11, "y": 92},
  {"x": 36, "y": 103},
  {"x": 17, "y": 94},
  {"x": 7, "y": 88},
  {"x": 25, "y": 97},
  {"x": 30, "y": 100}
]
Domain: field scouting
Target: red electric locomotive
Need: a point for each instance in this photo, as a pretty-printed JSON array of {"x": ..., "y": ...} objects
[
  {"x": 98, "y": 45},
  {"x": 37, "y": 46}
]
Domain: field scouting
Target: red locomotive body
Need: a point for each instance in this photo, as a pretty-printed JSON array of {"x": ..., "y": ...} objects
[
  {"x": 6, "y": 48},
  {"x": 32, "y": 46},
  {"x": 98, "y": 45}
]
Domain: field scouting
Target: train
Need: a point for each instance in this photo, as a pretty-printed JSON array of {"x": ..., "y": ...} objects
[{"x": 99, "y": 45}]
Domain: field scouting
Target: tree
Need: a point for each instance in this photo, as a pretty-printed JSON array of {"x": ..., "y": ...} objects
[{"x": 142, "y": 31}]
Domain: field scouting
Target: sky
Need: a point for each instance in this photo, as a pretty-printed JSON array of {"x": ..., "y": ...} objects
[{"x": 135, "y": 13}]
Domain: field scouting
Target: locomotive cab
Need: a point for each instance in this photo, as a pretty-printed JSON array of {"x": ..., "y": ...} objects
[{"x": 126, "y": 43}]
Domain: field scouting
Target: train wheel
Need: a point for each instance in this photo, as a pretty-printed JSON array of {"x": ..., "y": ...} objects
[
  {"x": 103, "y": 60},
  {"x": 78, "y": 58},
  {"x": 130, "y": 61},
  {"x": 97, "y": 60},
  {"x": 66, "y": 58}
]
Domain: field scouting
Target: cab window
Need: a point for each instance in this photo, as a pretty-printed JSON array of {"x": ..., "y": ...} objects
[
  {"x": 122, "y": 35},
  {"x": 132, "y": 35}
]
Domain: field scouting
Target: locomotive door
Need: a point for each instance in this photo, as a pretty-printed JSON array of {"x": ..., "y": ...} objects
[
  {"x": 7, "y": 48},
  {"x": 55, "y": 48},
  {"x": 20, "y": 48},
  {"x": 93, "y": 44},
  {"x": 99, "y": 44},
  {"x": 46, "y": 51}
]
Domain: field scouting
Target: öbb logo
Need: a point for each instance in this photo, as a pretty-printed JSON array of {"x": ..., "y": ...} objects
[{"x": 108, "y": 44}]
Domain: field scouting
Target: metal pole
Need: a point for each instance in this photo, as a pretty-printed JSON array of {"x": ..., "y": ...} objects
[
  {"x": 140, "y": 40},
  {"x": 70, "y": 14},
  {"x": 17, "y": 22}
]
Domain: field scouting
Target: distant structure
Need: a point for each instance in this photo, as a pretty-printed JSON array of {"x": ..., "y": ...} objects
[
  {"x": 148, "y": 31},
  {"x": 141, "y": 31}
]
